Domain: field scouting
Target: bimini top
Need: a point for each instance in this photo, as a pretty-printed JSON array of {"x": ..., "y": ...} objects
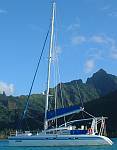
[{"x": 58, "y": 113}]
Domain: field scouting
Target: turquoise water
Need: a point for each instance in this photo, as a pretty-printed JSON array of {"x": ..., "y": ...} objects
[{"x": 4, "y": 146}]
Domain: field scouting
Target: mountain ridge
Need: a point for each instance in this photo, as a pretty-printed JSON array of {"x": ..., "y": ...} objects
[
  {"x": 103, "y": 82},
  {"x": 98, "y": 91}
]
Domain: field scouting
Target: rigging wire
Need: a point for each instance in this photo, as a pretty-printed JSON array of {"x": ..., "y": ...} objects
[
  {"x": 59, "y": 23},
  {"x": 88, "y": 114},
  {"x": 81, "y": 100},
  {"x": 38, "y": 64},
  {"x": 61, "y": 91},
  {"x": 57, "y": 72}
]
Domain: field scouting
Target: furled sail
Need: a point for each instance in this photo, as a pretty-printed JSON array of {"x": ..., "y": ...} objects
[{"x": 58, "y": 113}]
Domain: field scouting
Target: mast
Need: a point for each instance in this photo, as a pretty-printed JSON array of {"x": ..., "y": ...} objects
[{"x": 49, "y": 64}]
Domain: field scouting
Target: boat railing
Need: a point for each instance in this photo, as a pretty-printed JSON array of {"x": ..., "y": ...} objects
[
  {"x": 81, "y": 120},
  {"x": 26, "y": 133},
  {"x": 12, "y": 133}
]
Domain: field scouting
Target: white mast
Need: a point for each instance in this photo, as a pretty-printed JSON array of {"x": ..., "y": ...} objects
[{"x": 49, "y": 64}]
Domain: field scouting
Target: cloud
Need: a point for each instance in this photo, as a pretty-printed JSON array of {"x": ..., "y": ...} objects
[
  {"x": 109, "y": 44},
  {"x": 7, "y": 88},
  {"x": 112, "y": 48},
  {"x": 89, "y": 65},
  {"x": 99, "y": 39},
  {"x": 105, "y": 42},
  {"x": 104, "y": 47},
  {"x": 114, "y": 54},
  {"x": 73, "y": 27},
  {"x": 106, "y": 7},
  {"x": 78, "y": 40},
  {"x": 108, "y": 10},
  {"x": 2, "y": 11},
  {"x": 113, "y": 14},
  {"x": 56, "y": 51},
  {"x": 95, "y": 53}
]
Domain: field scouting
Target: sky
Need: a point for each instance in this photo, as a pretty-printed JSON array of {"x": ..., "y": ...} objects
[{"x": 86, "y": 41}]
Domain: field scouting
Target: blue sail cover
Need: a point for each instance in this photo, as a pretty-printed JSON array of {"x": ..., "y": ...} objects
[{"x": 54, "y": 114}]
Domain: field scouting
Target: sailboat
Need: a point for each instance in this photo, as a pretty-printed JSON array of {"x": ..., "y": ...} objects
[{"x": 66, "y": 134}]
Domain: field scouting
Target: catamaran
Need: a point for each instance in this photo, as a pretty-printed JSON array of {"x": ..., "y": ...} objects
[{"x": 66, "y": 134}]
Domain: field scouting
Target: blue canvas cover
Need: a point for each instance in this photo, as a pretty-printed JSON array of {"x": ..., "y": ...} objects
[
  {"x": 62, "y": 112},
  {"x": 76, "y": 132}
]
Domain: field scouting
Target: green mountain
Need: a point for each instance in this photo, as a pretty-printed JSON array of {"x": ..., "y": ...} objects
[
  {"x": 74, "y": 91},
  {"x": 98, "y": 94},
  {"x": 103, "y": 82}
]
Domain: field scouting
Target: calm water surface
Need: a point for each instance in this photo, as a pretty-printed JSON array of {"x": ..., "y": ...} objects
[{"x": 4, "y": 146}]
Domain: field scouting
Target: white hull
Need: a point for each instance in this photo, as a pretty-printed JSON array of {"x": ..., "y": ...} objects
[{"x": 59, "y": 140}]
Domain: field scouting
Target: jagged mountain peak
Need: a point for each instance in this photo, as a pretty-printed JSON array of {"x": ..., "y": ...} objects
[
  {"x": 102, "y": 82},
  {"x": 100, "y": 72}
]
